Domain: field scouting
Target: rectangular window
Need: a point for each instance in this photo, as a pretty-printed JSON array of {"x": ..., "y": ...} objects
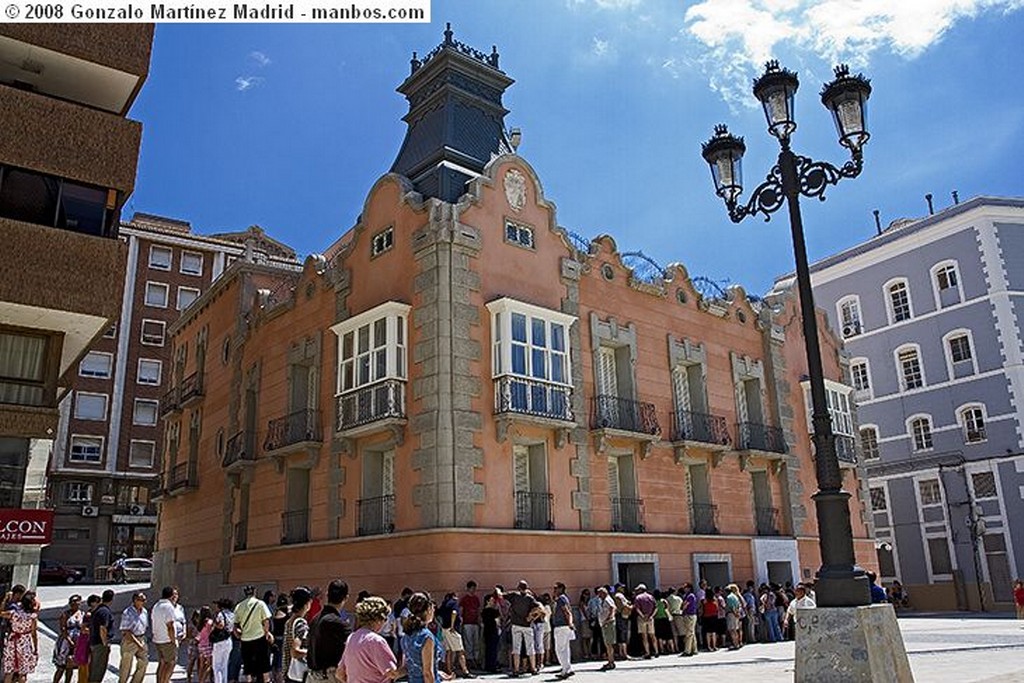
[
  {"x": 878, "y": 500},
  {"x": 90, "y": 406},
  {"x": 984, "y": 484},
  {"x": 149, "y": 371},
  {"x": 861, "y": 379},
  {"x": 111, "y": 332},
  {"x": 839, "y": 409},
  {"x": 153, "y": 332},
  {"x": 142, "y": 454},
  {"x": 145, "y": 412},
  {"x": 186, "y": 297},
  {"x": 938, "y": 552},
  {"x": 931, "y": 492},
  {"x": 382, "y": 241},
  {"x": 160, "y": 257},
  {"x": 77, "y": 492},
  {"x": 191, "y": 263},
  {"x": 910, "y": 369},
  {"x": 518, "y": 234},
  {"x": 157, "y": 294},
  {"x": 974, "y": 425},
  {"x": 960, "y": 349},
  {"x": 96, "y": 364},
  {"x": 22, "y": 368},
  {"x": 86, "y": 449},
  {"x": 921, "y": 430}
]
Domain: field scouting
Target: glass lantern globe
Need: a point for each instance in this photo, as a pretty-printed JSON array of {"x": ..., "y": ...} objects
[
  {"x": 724, "y": 154},
  {"x": 776, "y": 90},
  {"x": 846, "y": 98}
]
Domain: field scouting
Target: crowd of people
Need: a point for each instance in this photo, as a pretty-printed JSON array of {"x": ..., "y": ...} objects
[{"x": 307, "y": 636}]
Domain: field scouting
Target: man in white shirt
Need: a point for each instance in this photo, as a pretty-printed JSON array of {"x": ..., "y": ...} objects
[
  {"x": 802, "y": 601},
  {"x": 252, "y": 619},
  {"x": 134, "y": 623},
  {"x": 165, "y": 635}
]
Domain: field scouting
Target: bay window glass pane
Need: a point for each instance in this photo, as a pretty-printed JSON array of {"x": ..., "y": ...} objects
[
  {"x": 346, "y": 346},
  {"x": 346, "y": 375},
  {"x": 519, "y": 327},
  {"x": 364, "y": 339},
  {"x": 380, "y": 332},
  {"x": 557, "y": 368},
  {"x": 400, "y": 362},
  {"x": 380, "y": 365},
  {"x": 557, "y": 337},
  {"x": 400, "y": 327},
  {"x": 539, "y": 363},
  {"x": 364, "y": 370},
  {"x": 539, "y": 332},
  {"x": 519, "y": 359}
]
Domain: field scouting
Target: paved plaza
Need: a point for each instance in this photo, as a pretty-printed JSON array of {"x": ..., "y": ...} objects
[{"x": 956, "y": 648}]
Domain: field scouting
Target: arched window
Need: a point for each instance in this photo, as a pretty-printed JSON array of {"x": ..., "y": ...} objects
[
  {"x": 920, "y": 429},
  {"x": 860, "y": 376},
  {"x": 869, "y": 442},
  {"x": 959, "y": 349},
  {"x": 946, "y": 283},
  {"x": 972, "y": 421},
  {"x": 897, "y": 300},
  {"x": 848, "y": 310},
  {"x": 908, "y": 367}
]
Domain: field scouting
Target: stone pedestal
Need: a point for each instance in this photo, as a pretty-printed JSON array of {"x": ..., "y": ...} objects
[{"x": 850, "y": 645}]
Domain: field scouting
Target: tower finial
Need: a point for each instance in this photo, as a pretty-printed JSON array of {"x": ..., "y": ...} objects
[{"x": 448, "y": 33}]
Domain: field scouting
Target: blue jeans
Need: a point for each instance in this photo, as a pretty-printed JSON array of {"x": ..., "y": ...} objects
[
  {"x": 774, "y": 632},
  {"x": 235, "y": 660}
]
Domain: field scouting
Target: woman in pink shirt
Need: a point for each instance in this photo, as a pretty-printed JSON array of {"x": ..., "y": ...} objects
[{"x": 367, "y": 657}]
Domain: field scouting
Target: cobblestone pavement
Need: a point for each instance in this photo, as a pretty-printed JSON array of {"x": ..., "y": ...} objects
[{"x": 960, "y": 648}]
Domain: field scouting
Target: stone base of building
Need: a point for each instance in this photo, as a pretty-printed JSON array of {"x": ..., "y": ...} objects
[{"x": 850, "y": 645}]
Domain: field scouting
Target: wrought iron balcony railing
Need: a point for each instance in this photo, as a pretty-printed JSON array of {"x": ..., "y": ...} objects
[
  {"x": 170, "y": 402},
  {"x": 767, "y": 521},
  {"x": 704, "y": 518},
  {"x": 700, "y": 427},
  {"x": 300, "y": 427},
  {"x": 182, "y": 476},
  {"x": 380, "y": 401},
  {"x": 190, "y": 388},
  {"x": 524, "y": 396},
  {"x": 612, "y": 412},
  {"x": 240, "y": 448},
  {"x": 241, "y": 535},
  {"x": 295, "y": 526},
  {"x": 375, "y": 516},
  {"x": 759, "y": 437},
  {"x": 533, "y": 510},
  {"x": 628, "y": 515}
]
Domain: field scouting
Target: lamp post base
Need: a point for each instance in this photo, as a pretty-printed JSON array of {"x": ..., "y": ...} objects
[{"x": 850, "y": 645}]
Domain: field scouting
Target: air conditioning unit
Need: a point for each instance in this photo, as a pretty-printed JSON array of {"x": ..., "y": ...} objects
[
  {"x": 137, "y": 510},
  {"x": 90, "y": 511},
  {"x": 851, "y": 329}
]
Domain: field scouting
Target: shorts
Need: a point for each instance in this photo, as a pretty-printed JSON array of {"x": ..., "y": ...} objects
[
  {"x": 167, "y": 652},
  {"x": 608, "y": 634},
  {"x": 732, "y": 622},
  {"x": 520, "y": 635},
  {"x": 256, "y": 656},
  {"x": 452, "y": 640},
  {"x": 621, "y": 630},
  {"x": 645, "y": 626}
]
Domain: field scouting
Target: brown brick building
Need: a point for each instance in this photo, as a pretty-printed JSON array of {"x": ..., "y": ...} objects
[
  {"x": 105, "y": 464},
  {"x": 461, "y": 389},
  {"x": 67, "y": 164}
]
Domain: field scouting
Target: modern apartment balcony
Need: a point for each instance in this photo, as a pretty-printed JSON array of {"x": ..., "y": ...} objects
[
  {"x": 241, "y": 535},
  {"x": 759, "y": 439},
  {"x": 375, "y": 516},
  {"x": 181, "y": 478},
  {"x": 191, "y": 389},
  {"x": 533, "y": 510},
  {"x": 767, "y": 521},
  {"x": 623, "y": 418},
  {"x": 239, "y": 452},
  {"x": 99, "y": 65},
  {"x": 293, "y": 433},
  {"x": 170, "y": 402},
  {"x": 700, "y": 430},
  {"x": 704, "y": 518},
  {"x": 628, "y": 515},
  {"x": 295, "y": 527},
  {"x": 371, "y": 409}
]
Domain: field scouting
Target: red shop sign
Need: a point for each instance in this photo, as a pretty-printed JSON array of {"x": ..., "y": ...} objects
[{"x": 31, "y": 527}]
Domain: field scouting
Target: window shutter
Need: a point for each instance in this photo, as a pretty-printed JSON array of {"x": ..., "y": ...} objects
[
  {"x": 521, "y": 466},
  {"x": 613, "y": 477},
  {"x": 387, "y": 476},
  {"x": 607, "y": 382}
]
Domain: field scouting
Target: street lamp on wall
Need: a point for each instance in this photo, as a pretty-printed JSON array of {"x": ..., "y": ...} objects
[{"x": 840, "y": 582}]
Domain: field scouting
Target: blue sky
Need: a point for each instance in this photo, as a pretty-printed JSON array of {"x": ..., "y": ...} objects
[{"x": 288, "y": 126}]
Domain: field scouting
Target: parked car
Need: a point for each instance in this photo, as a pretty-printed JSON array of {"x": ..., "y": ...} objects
[
  {"x": 52, "y": 571},
  {"x": 132, "y": 570}
]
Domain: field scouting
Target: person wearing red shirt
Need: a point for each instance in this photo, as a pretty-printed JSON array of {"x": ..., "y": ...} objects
[
  {"x": 1018, "y": 597},
  {"x": 469, "y": 606}
]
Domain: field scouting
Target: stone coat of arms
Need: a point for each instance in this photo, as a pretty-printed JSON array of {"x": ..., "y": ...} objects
[{"x": 515, "y": 189}]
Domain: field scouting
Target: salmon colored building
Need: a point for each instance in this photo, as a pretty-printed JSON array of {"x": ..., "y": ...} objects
[{"x": 460, "y": 389}]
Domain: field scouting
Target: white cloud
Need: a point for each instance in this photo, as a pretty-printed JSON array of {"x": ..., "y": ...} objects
[
  {"x": 739, "y": 35},
  {"x": 604, "y": 4},
  {"x": 600, "y": 47},
  {"x": 261, "y": 59},
  {"x": 243, "y": 83}
]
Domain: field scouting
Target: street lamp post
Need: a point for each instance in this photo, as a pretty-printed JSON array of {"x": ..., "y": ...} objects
[{"x": 840, "y": 582}]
